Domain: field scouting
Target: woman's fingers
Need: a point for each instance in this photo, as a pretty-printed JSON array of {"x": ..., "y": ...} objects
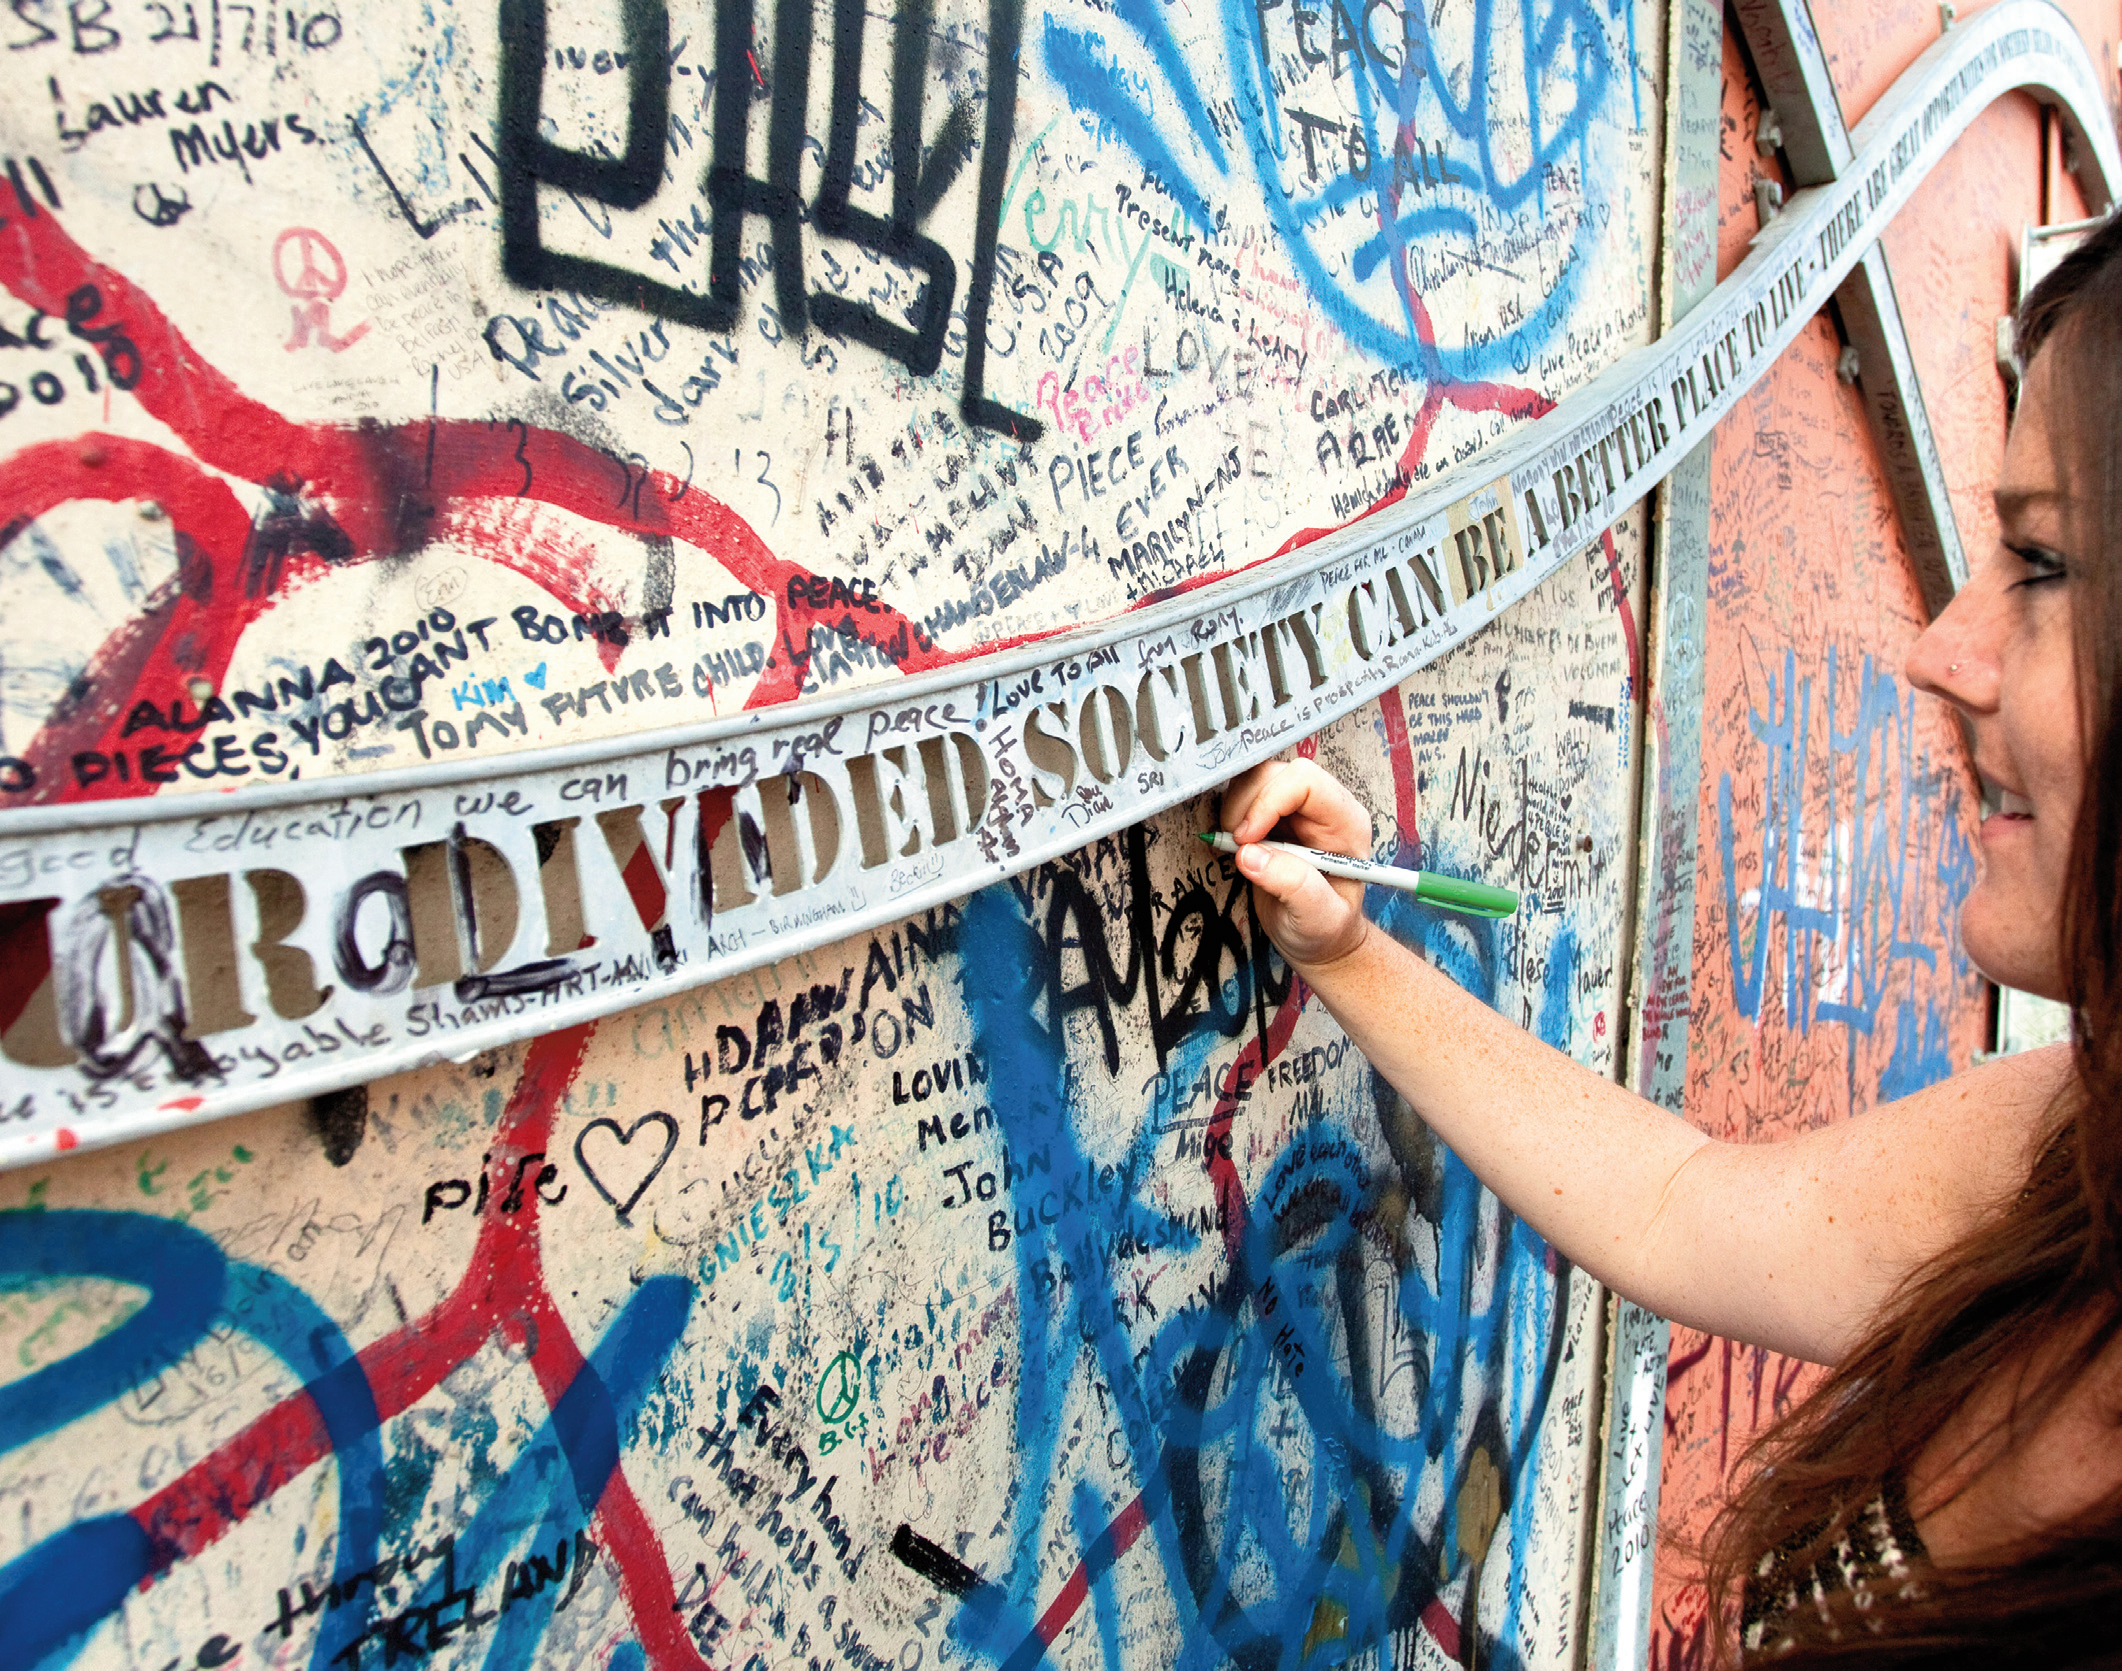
[
  {"x": 1296, "y": 884},
  {"x": 1284, "y": 787},
  {"x": 1319, "y": 811},
  {"x": 1312, "y": 918},
  {"x": 1243, "y": 790}
]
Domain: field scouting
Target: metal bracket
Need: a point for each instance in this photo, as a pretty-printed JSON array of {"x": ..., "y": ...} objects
[{"x": 1818, "y": 147}]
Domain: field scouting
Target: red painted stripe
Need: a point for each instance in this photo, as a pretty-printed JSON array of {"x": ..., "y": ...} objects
[
  {"x": 1628, "y": 615},
  {"x": 503, "y": 1288},
  {"x": 644, "y": 886},
  {"x": 1512, "y": 402},
  {"x": 1444, "y": 1630},
  {"x": 25, "y": 956},
  {"x": 1133, "y": 1522},
  {"x": 1063, "y": 1607},
  {"x": 205, "y": 1502},
  {"x": 387, "y": 489},
  {"x": 1128, "y": 1525}
]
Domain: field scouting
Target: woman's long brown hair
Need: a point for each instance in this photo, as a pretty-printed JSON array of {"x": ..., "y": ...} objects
[{"x": 2031, "y": 1300}]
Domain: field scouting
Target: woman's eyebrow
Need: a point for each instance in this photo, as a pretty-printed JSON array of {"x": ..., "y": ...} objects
[{"x": 2012, "y": 501}]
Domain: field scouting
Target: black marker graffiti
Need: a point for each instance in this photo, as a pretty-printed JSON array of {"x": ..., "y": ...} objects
[
  {"x": 933, "y": 1562},
  {"x": 118, "y": 987},
  {"x": 915, "y": 191},
  {"x": 920, "y": 177},
  {"x": 159, "y": 208},
  {"x": 622, "y": 1158}
]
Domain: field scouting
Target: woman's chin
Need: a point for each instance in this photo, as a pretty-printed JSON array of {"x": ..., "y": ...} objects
[{"x": 2004, "y": 943}]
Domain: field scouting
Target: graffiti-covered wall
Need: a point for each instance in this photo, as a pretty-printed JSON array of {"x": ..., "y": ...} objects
[{"x": 402, "y": 388}]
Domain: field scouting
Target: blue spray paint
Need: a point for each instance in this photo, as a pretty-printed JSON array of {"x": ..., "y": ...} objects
[
  {"x": 1922, "y": 1053},
  {"x": 52, "y": 1594},
  {"x": 1568, "y": 47},
  {"x": 585, "y": 1429},
  {"x": 1451, "y": 193},
  {"x": 1256, "y": 1561},
  {"x": 1869, "y": 888},
  {"x": 1080, "y": 67},
  {"x": 566, "y": 1467}
]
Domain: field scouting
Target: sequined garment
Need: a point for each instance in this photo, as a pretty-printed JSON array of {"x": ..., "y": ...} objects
[{"x": 1871, "y": 1559}]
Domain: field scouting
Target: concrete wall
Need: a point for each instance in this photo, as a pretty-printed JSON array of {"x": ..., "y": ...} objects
[{"x": 1042, "y": 1276}]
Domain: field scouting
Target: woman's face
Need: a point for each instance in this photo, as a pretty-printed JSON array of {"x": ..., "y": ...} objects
[{"x": 2002, "y": 653}]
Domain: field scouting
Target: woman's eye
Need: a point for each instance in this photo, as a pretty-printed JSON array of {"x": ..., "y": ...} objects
[{"x": 2041, "y": 564}]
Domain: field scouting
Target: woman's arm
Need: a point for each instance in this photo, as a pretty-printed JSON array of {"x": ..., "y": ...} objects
[{"x": 1788, "y": 1245}]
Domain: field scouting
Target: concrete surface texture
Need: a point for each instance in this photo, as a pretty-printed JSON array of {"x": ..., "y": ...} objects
[{"x": 1037, "y": 1279}]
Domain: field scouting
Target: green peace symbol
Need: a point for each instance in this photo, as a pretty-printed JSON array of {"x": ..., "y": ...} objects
[{"x": 839, "y": 1388}]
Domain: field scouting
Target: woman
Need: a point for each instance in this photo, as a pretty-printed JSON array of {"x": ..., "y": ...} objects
[{"x": 1954, "y": 1489}]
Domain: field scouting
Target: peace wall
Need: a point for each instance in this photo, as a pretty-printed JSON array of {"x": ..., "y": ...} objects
[
  {"x": 401, "y": 391},
  {"x": 617, "y": 625}
]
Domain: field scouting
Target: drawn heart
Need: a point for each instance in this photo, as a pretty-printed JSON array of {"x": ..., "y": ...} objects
[
  {"x": 536, "y": 676},
  {"x": 625, "y": 1158}
]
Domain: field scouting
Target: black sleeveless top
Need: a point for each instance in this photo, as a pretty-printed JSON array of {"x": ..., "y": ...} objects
[{"x": 1871, "y": 1560}]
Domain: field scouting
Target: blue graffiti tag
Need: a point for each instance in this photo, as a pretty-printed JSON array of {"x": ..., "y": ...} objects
[
  {"x": 559, "y": 1477},
  {"x": 1288, "y": 1433},
  {"x": 52, "y": 1594},
  {"x": 1865, "y": 879},
  {"x": 1410, "y": 190},
  {"x": 55, "y": 1593}
]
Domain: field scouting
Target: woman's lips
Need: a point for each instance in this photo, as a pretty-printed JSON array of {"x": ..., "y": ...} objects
[
  {"x": 2011, "y": 814},
  {"x": 2006, "y": 806}
]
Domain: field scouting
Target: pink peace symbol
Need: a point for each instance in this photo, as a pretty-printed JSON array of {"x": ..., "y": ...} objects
[{"x": 322, "y": 275}]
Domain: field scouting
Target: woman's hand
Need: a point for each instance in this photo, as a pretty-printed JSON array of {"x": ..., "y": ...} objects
[{"x": 1314, "y": 919}]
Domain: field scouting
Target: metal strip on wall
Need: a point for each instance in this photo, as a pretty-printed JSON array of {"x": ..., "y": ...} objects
[
  {"x": 378, "y": 924},
  {"x": 1815, "y": 143},
  {"x": 1893, "y": 399},
  {"x": 1653, "y": 1062}
]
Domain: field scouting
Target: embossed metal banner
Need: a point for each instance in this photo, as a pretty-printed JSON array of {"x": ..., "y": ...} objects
[{"x": 209, "y": 955}]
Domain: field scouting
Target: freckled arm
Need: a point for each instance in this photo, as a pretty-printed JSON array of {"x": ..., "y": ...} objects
[{"x": 1790, "y": 1245}]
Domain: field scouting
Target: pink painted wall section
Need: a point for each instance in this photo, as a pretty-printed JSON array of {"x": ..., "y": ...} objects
[
  {"x": 1838, "y": 831},
  {"x": 1838, "y": 809},
  {"x": 1868, "y": 45},
  {"x": 1953, "y": 250}
]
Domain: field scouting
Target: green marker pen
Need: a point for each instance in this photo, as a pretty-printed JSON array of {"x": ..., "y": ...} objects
[{"x": 1476, "y": 899}]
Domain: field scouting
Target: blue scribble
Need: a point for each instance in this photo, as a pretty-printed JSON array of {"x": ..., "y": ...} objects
[
  {"x": 1861, "y": 879},
  {"x": 1922, "y": 1052},
  {"x": 53, "y": 1593},
  {"x": 1283, "y": 1430},
  {"x": 1404, "y": 100},
  {"x": 1083, "y": 71}
]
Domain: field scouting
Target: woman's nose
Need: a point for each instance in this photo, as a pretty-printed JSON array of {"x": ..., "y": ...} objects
[{"x": 1955, "y": 657}]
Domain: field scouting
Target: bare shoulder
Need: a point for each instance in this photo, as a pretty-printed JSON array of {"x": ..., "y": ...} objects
[
  {"x": 1957, "y": 1149},
  {"x": 2008, "y": 1092}
]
